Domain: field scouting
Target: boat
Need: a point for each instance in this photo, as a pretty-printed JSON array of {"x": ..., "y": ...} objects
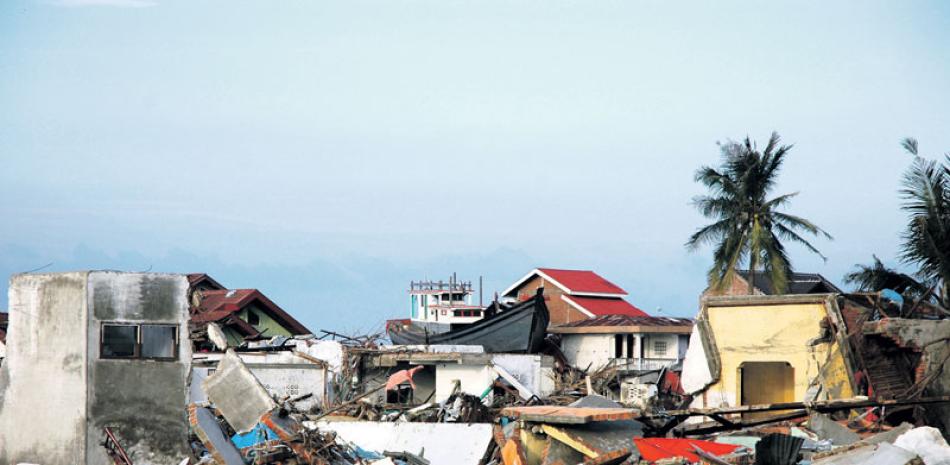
[{"x": 517, "y": 328}]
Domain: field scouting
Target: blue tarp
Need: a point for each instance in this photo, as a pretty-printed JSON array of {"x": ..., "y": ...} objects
[{"x": 260, "y": 433}]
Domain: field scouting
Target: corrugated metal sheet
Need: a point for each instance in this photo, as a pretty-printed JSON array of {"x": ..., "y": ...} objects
[{"x": 629, "y": 320}]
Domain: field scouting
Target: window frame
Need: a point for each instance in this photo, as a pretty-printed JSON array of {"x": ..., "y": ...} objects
[{"x": 137, "y": 351}]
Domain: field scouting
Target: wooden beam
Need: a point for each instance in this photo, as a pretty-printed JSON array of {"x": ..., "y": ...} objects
[{"x": 818, "y": 406}]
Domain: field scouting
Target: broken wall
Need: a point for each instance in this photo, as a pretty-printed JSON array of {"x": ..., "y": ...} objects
[
  {"x": 43, "y": 378},
  {"x": 767, "y": 329},
  {"x": 931, "y": 376},
  {"x": 143, "y": 401}
]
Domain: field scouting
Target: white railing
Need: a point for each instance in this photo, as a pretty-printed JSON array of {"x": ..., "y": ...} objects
[{"x": 642, "y": 364}]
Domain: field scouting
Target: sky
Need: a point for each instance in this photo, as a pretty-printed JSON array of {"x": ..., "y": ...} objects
[{"x": 330, "y": 152}]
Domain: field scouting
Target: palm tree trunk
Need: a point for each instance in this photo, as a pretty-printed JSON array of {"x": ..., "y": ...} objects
[{"x": 752, "y": 273}]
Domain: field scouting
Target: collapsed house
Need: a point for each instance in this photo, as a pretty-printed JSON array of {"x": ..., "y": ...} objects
[
  {"x": 241, "y": 314},
  {"x": 442, "y": 371},
  {"x": 92, "y": 354},
  {"x": 792, "y": 349},
  {"x": 822, "y": 377},
  {"x": 768, "y": 349}
]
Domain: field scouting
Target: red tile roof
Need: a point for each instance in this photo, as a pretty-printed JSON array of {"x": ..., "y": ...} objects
[
  {"x": 605, "y": 306},
  {"x": 582, "y": 281}
]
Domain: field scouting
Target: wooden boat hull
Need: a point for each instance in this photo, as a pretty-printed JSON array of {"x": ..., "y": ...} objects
[{"x": 520, "y": 328}]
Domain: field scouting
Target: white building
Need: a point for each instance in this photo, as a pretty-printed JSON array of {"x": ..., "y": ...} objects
[
  {"x": 438, "y": 303},
  {"x": 632, "y": 343}
]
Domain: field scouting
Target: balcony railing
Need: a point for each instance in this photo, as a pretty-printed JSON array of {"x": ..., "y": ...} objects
[{"x": 641, "y": 364}]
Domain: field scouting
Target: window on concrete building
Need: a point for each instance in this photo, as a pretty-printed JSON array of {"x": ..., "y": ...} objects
[
  {"x": 119, "y": 341},
  {"x": 630, "y": 345},
  {"x": 618, "y": 346},
  {"x": 659, "y": 348},
  {"x": 253, "y": 318},
  {"x": 158, "y": 342}
]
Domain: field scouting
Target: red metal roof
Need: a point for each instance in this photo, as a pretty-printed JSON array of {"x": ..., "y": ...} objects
[
  {"x": 653, "y": 449},
  {"x": 606, "y": 306},
  {"x": 628, "y": 320},
  {"x": 218, "y": 304},
  {"x": 583, "y": 281}
]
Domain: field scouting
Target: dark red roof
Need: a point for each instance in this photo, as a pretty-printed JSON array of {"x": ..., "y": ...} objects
[
  {"x": 582, "y": 281},
  {"x": 606, "y": 305},
  {"x": 629, "y": 320},
  {"x": 196, "y": 279},
  {"x": 217, "y": 305}
]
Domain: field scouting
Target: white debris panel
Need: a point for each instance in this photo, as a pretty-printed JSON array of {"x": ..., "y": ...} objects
[
  {"x": 696, "y": 373},
  {"x": 439, "y": 443}
]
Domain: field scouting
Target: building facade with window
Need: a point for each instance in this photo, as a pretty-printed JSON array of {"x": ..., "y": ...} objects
[
  {"x": 631, "y": 343},
  {"x": 95, "y": 349}
]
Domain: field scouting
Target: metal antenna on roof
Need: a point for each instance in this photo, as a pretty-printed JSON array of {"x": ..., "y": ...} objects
[{"x": 479, "y": 291}]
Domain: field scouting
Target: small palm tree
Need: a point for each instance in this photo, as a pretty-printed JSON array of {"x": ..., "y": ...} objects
[
  {"x": 877, "y": 277},
  {"x": 748, "y": 225},
  {"x": 926, "y": 243}
]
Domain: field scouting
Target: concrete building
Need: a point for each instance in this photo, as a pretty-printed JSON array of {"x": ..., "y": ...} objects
[
  {"x": 572, "y": 295},
  {"x": 768, "y": 349},
  {"x": 89, "y": 350},
  {"x": 631, "y": 343}
]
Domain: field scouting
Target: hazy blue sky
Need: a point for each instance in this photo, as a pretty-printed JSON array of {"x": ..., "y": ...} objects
[{"x": 328, "y": 152}]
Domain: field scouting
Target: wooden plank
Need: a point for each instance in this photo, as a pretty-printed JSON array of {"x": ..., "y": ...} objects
[
  {"x": 819, "y": 406},
  {"x": 568, "y": 415}
]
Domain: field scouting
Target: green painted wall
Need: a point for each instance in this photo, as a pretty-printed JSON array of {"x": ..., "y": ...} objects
[{"x": 267, "y": 325}]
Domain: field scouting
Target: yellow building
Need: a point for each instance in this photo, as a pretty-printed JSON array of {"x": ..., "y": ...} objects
[{"x": 747, "y": 350}]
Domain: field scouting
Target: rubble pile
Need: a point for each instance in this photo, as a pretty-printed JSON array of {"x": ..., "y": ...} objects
[{"x": 832, "y": 379}]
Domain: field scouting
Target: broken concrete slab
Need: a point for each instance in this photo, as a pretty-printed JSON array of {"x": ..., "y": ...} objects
[
  {"x": 439, "y": 443},
  {"x": 206, "y": 427},
  {"x": 826, "y": 428},
  {"x": 596, "y": 401},
  {"x": 237, "y": 394},
  {"x": 882, "y": 453},
  {"x": 888, "y": 436}
]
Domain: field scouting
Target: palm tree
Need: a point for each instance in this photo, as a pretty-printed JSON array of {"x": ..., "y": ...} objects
[
  {"x": 878, "y": 276},
  {"x": 926, "y": 243},
  {"x": 747, "y": 224}
]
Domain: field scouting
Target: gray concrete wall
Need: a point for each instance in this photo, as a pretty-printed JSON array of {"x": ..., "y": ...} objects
[
  {"x": 43, "y": 378},
  {"x": 143, "y": 401}
]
